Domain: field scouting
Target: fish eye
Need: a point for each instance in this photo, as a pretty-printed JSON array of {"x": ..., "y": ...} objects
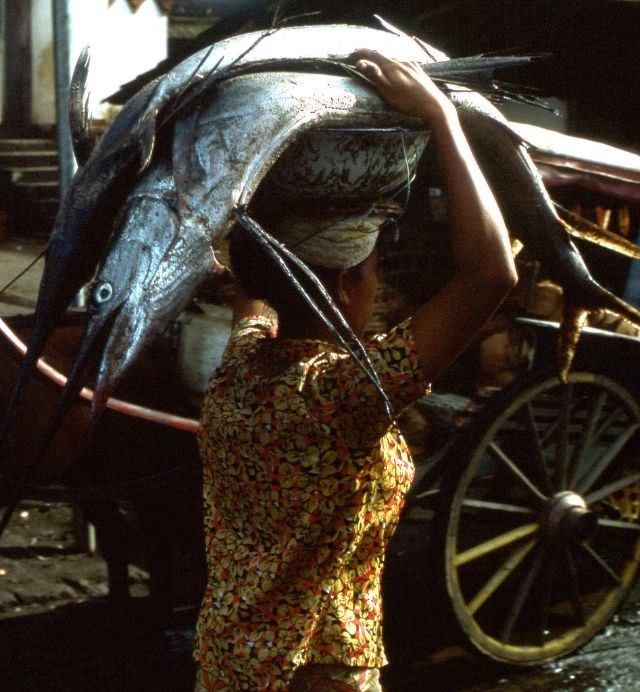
[{"x": 102, "y": 293}]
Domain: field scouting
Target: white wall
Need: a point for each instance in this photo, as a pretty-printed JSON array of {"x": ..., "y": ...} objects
[
  {"x": 43, "y": 95},
  {"x": 2, "y": 58},
  {"x": 123, "y": 44}
]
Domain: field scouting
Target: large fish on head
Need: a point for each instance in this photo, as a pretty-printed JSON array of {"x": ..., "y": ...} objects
[
  {"x": 84, "y": 223},
  {"x": 223, "y": 143},
  {"x": 274, "y": 102},
  {"x": 217, "y": 166}
]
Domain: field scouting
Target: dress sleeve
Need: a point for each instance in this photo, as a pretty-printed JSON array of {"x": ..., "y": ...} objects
[
  {"x": 344, "y": 388},
  {"x": 395, "y": 358},
  {"x": 250, "y": 328}
]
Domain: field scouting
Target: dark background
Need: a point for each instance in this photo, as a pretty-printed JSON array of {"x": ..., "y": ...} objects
[{"x": 594, "y": 45}]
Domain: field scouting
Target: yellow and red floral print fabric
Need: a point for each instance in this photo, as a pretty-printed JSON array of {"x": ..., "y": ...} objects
[{"x": 304, "y": 480}]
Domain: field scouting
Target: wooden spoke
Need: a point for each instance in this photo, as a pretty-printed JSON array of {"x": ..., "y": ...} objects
[
  {"x": 586, "y": 438},
  {"x": 500, "y": 575},
  {"x": 574, "y": 586},
  {"x": 511, "y": 466},
  {"x": 496, "y": 507},
  {"x": 539, "y": 465},
  {"x": 608, "y": 422},
  {"x": 562, "y": 448},
  {"x": 552, "y": 429},
  {"x": 603, "y": 463},
  {"x": 601, "y": 563},
  {"x": 611, "y": 488},
  {"x": 546, "y": 583},
  {"x": 524, "y": 589},
  {"x": 496, "y": 543},
  {"x": 630, "y": 526}
]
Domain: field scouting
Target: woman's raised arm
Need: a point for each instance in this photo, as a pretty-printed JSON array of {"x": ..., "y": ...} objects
[{"x": 483, "y": 267}]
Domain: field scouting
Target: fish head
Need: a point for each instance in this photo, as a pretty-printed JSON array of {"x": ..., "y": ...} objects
[
  {"x": 150, "y": 271},
  {"x": 147, "y": 227},
  {"x": 153, "y": 302},
  {"x": 133, "y": 264}
]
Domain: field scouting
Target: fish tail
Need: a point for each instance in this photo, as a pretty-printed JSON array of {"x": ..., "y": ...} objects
[
  {"x": 575, "y": 316},
  {"x": 612, "y": 302},
  {"x": 598, "y": 235},
  {"x": 79, "y": 117}
]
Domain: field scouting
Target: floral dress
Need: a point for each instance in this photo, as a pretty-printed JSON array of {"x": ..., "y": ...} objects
[{"x": 304, "y": 480}]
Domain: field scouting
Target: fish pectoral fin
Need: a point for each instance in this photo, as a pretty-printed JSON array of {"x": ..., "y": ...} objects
[
  {"x": 147, "y": 141},
  {"x": 574, "y": 318},
  {"x": 599, "y": 236}
]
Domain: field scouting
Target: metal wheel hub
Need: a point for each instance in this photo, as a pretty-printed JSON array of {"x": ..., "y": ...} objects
[{"x": 568, "y": 519}]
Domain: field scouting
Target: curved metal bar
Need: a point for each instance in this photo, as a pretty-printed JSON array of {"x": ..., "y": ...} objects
[{"x": 152, "y": 415}]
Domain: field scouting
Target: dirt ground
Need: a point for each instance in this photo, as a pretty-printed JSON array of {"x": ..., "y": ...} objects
[{"x": 58, "y": 631}]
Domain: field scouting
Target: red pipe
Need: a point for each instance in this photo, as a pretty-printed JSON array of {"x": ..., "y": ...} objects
[{"x": 149, "y": 414}]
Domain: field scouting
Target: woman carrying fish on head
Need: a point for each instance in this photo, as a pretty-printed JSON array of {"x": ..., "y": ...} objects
[{"x": 304, "y": 472}]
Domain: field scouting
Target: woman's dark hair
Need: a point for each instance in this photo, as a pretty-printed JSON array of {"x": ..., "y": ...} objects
[{"x": 261, "y": 277}]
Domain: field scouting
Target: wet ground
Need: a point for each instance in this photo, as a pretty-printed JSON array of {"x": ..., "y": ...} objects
[{"x": 57, "y": 629}]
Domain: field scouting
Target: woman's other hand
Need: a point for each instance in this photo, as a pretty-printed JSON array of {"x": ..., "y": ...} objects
[
  {"x": 404, "y": 86},
  {"x": 483, "y": 268}
]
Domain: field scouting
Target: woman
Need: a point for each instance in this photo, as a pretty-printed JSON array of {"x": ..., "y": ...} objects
[{"x": 304, "y": 472}]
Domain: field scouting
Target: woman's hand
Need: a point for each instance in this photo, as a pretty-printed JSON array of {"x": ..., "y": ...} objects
[
  {"x": 483, "y": 269},
  {"x": 404, "y": 86}
]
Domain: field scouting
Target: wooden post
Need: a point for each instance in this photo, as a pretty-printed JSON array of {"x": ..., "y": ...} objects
[
  {"x": 66, "y": 161},
  {"x": 16, "y": 116}
]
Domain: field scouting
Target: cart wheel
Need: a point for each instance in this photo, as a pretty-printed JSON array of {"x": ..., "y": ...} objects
[{"x": 539, "y": 526}]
